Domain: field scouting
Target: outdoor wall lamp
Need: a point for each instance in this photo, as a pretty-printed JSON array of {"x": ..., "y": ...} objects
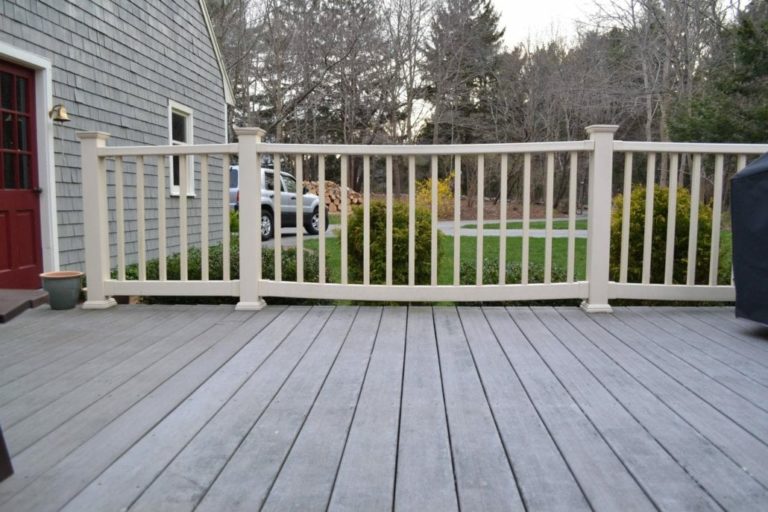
[{"x": 59, "y": 113}]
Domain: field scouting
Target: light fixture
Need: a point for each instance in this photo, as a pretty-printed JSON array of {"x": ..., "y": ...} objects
[{"x": 59, "y": 113}]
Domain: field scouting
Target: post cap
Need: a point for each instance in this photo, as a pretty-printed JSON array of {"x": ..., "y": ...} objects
[
  {"x": 602, "y": 128},
  {"x": 250, "y": 130},
  {"x": 92, "y": 135}
]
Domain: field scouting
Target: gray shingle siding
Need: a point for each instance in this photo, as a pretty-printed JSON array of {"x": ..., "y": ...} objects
[{"x": 115, "y": 66}]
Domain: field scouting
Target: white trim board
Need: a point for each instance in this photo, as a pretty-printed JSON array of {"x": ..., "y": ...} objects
[
  {"x": 229, "y": 96},
  {"x": 189, "y": 121},
  {"x": 46, "y": 165}
]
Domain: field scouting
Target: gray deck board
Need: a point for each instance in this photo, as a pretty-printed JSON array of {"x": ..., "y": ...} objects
[
  {"x": 305, "y": 481},
  {"x": 725, "y": 321},
  {"x": 246, "y": 480},
  {"x": 732, "y": 350},
  {"x": 748, "y": 331},
  {"x": 46, "y": 390},
  {"x": 28, "y": 332},
  {"x": 484, "y": 477},
  {"x": 731, "y": 329},
  {"x": 739, "y": 409},
  {"x": 70, "y": 342},
  {"x": 97, "y": 402},
  {"x": 732, "y": 377},
  {"x": 424, "y": 460},
  {"x": 601, "y": 474},
  {"x": 69, "y": 372},
  {"x": 28, "y": 325},
  {"x": 70, "y": 335},
  {"x": 545, "y": 480},
  {"x": 139, "y": 466},
  {"x": 663, "y": 479},
  {"x": 92, "y": 439},
  {"x": 181, "y": 408},
  {"x": 20, "y": 343},
  {"x": 743, "y": 336},
  {"x": 183, "y": 482},
  {"x": 731, "y": 486},
  {"x": 366, "y": 476},
  {"x": 748, "y": 451}
]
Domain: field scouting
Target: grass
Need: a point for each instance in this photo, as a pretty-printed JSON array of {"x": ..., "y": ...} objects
[
  {"x": 536, "y": 224},
  {"x": 514, "y": 254},
  {"x": 726, "y": 253},
  {"x": 468, "y": 253}
]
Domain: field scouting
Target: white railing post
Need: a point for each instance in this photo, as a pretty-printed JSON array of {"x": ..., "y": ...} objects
[
  {"x": 250, "y": 218},
  {"x": 95, "y": 215},
  {"x": 599, "y": 218}
]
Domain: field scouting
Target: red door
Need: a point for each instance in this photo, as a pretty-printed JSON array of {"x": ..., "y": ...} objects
[{"x": 20, "y": 247}]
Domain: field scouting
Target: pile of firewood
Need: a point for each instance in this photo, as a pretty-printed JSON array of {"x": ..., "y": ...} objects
[{"x": 333, "y": 195}]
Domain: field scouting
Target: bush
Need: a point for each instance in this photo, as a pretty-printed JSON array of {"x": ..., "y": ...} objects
[
  {"x": 216, "y": 271},
  {"x": 234, "y": 222},
  {"x": 194, "y": 264},
  {"x": 378, "y": 244},
  {"x": 467, "y": 276},
  {"x": 288, "y": 272},
  {"x": 659, "y": 236},
  {"x": 514, "y": 272},
  {"x": 444, "y": 195}
]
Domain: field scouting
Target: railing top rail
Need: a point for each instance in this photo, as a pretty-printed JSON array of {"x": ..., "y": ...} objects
[
  {"x": 423, "y": 149},
  {"x": 435, "y": 149},
  {"x": 351, "y": 149},
  {"x": 189, "y": 149},
  {"x": 689, "y": 147}
]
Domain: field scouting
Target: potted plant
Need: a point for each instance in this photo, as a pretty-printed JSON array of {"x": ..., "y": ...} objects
[{"x": 63, "y": 287}]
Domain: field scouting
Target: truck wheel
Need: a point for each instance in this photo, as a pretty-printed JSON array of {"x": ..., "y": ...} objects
[
  {"x": 313, "y": 226},
  {"x": 267, "y": 226}
]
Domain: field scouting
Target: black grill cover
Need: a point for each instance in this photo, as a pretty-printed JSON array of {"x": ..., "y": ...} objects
[{"x": 749, "y": 211}]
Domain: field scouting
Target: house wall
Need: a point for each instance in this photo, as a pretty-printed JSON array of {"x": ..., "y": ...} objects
[{"x": 115, "y": 66}]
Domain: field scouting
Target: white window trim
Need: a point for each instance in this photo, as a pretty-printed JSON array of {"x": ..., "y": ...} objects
[{"x": 188, "y": 113}]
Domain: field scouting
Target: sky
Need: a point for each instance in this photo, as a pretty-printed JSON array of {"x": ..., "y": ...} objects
[{"x": 540, "y": 19}]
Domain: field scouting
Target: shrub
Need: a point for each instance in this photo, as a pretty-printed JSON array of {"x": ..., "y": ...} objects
[
  {"x": 378, "y": 244},
  {"x": 234, "y": 222},
  {"x": 514, "y": 272},
  {"x": 216, "y": 271},
  {"x": 194, "y": 264},
  {"x": 288, "y": 270},
  {"x": 444, "y": 195},
  {"x": 659, "y": 236}
]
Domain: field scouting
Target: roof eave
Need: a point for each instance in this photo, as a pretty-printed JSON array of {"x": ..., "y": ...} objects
[{"x": 229, "y": 96}]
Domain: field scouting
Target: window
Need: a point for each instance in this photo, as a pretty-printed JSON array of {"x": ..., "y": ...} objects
[
  {"x": 289, "y": 184},
  {"x": 233, "y": 175},
  {"x": 180, "y": 133}
]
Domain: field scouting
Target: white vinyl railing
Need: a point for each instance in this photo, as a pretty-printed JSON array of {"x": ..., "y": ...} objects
[
  {"x": 532, "y": 166},
  {"x": 691, "y": 161}
]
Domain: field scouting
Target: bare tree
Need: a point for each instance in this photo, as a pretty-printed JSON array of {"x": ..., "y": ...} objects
[{"x": 232, "y": 25}]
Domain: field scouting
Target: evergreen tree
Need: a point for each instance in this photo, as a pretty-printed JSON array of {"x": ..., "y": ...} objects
[
  {"x": 733, "y": 104},
  {"x": 461, "y": 66}
]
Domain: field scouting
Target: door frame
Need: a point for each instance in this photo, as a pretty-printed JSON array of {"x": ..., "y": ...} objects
[{"x": 46, "y": 169}]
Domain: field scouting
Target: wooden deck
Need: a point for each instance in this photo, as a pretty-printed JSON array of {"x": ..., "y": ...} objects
[{"x": 314, "y": 408}]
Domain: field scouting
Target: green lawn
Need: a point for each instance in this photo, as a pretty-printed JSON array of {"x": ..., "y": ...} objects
[
  {"x": 514, "y": 252},
  {"x": 468, "y": 254},
  {"x": 536, "y": 224}
]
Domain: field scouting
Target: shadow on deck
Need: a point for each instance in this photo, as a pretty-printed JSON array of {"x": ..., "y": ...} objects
[{"x": 345, "y": 408}]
